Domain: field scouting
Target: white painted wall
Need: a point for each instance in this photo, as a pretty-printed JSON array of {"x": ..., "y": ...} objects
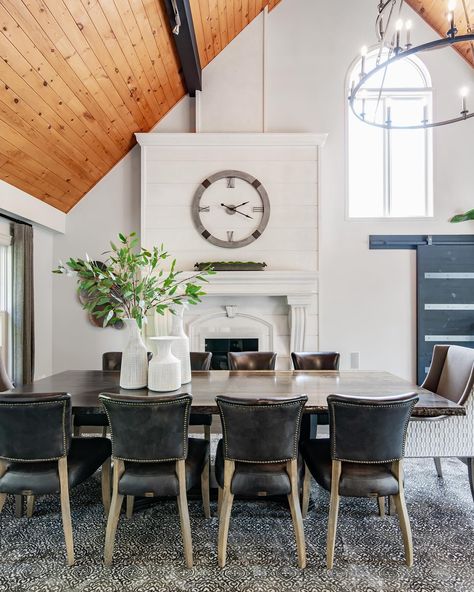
[{"x": 367, "y": 297}]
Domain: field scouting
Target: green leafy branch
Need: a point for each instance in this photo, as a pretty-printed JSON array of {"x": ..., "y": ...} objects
[
  {"x": 463, "y": 217},
  {"x": 131, "y": 282}
]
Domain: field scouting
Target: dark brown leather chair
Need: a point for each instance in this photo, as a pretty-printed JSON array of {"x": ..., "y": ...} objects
[
  {"x": 5, "y": 382},
  {"x": 251, "y": 360},
  {"x": 315, "y": 360},
  {"x": 363, "y": 456},
  {"x": 111, "y": 362},
  {"x": 153, "y": 456},
  {"x": 200, "y": 361},
  {"x": 254, "y": 458},
  {"x": 38, "y": 455}
]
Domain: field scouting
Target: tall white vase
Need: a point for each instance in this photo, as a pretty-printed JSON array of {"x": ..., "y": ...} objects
[
  {"x": 164, "y": 371},
  {"x": 180, "y": 347},
  {"x": 134, "y": 368}
]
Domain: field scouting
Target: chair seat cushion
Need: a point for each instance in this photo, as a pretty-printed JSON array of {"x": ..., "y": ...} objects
[
  {"x": 85, "y": 456},
  {"x": 254, "y": 478},
  {"x": 357, "y": 479},
  {"x": 160, "y": 479},
  {"x": 200, "y": 419},
  {"x": 90, "y": 419}
]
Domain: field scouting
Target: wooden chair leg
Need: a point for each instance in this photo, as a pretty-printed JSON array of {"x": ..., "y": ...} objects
[
  {"x": 225, "y": 511},
  {"x": 114, "y": 513},
  {"x": 205, "y": 492},
  {"x": 294, "y": 503},
  {"x": 333, "y": 512},
  {"x": 439, "y": 469},
  {"x": 306, "y": 492},
  {"x": 391, "y": 505},
  {"x": 3, "y": 497},
  {"x": 105, "y": 481},
  {"x": 220, "y": 495},
  {"x": 130, "y": 504},
  {"x": 405, "y": 527},
  {"x": 18, "y": 506},
  {"x": 381, "y": 504},
  {"x": 30, "y": 505},
  {"x": 184, "y": 513},
  {"x": 207, "y": 433},
  {"x": 66, "y": 509}
]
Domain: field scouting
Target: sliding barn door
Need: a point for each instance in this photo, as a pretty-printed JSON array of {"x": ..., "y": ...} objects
[{"x": 445, "y": 299}]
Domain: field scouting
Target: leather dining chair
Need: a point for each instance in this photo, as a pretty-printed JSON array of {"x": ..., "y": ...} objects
[
  {"x": 38, "y": 456},
  {"x": 315, "y": 360},
  {"x": 153, "y": 456},
  {"x": 5, "y": 382},
  {"x": 253, "y": 458},
  {"x": 251, "y": 360},
  {"x": 200, "y": 361},
  {"x": 111, "y": 362},
  {"x": 362, "y": 457}
]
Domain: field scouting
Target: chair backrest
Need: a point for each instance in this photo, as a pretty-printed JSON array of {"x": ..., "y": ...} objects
[
  {"x": 369, "y": 430},
  {"x": 35, "y": 428},
  {"x": 451, "y": 373},
  {"x": 251, "y": 360},
  {"x": 112, "y": 361},
  {"x": 148, "y": 429},
  {"x": 261, "y": 430},
  {"x": 200, "y": 361},
  {"x": 5, "y": 382},
  {"x": 315, "y": 360}
]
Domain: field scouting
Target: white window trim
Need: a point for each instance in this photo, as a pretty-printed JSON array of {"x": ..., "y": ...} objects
[{"x": 428, "y": 139}]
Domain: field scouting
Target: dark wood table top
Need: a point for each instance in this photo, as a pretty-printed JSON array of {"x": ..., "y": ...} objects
[{"x": 85, "y": 386}]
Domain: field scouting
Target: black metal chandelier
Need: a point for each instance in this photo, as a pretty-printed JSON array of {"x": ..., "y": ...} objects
[{"x": 394, "y": 51}]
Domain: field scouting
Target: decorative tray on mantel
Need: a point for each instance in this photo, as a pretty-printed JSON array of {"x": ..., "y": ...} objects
[{"x": 230, "y": 265}]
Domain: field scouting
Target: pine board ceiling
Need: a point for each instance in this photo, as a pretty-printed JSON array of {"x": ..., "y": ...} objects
[
  {"x": 435, "y": 14},
  {"x": 80, "y": 77}
]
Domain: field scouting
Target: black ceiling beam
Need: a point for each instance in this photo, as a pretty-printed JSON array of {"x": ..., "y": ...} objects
[{"x": 186, "y": 45}]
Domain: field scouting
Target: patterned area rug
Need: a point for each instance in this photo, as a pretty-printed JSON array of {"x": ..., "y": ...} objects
[{"x": 261, "y": 551}]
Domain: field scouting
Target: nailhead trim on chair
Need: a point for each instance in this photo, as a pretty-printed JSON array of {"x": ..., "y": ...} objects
[
  {"x": 26, "y": 460},
  {"x": 152, "y": 404},
  {"x": 249, "y": 408},
  {"x": 370, "y": 462}
]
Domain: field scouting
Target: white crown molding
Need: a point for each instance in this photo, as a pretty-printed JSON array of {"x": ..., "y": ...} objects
[
  {"x": 291, "y": 284},
  {"x": 231, "y": 139}
]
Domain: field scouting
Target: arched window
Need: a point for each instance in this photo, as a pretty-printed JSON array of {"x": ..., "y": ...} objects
[{"x": 390, "y": 171}]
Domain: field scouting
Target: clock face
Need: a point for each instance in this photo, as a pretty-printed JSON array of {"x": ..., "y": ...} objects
[{"x": 231, "y": 209}]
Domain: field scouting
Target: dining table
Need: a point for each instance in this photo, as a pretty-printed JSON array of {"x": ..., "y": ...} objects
[{"x": 84, "y": 386}]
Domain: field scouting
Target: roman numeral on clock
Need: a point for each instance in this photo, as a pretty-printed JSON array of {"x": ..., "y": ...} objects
[
  {"x": 257, "y": 209},
  {"x": 230, "y": 236},
  {"x": 230, "y": 182},
  {"x": 204, "y": 208}
]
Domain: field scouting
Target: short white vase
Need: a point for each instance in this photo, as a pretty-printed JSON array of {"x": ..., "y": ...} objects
[
  {"x": 164, "y": 371},
  {"x": 134, "y": 368},
  {"x": 180, "y": 347}
]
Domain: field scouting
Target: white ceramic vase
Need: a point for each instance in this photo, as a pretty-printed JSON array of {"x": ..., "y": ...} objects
[
  {"x": 134, "y": 368},
  {"x": 164, "y": 371},
  {"x": 180, "y": 347}
]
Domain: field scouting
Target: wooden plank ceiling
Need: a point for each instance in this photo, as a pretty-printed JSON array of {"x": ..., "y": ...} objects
[
  {"x": 79, "y": 77},
  {"x": 435, "y": 14}
]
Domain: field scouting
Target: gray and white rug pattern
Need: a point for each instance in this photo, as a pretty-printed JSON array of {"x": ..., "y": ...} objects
[{"x": 261, "y": 551}]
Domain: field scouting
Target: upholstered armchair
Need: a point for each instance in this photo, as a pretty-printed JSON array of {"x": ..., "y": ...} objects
[{"x": 451, "y": 375}]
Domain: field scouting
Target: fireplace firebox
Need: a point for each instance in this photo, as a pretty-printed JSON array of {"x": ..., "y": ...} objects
[{"x": 220, "y": 347}]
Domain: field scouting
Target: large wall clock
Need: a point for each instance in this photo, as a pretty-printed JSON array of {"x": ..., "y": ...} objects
[{"x": 231, "y": 209}]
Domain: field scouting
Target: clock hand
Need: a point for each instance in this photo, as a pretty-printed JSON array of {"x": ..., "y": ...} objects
[
  {"x": 234, "y": 209},
  {"x": 242, "y": 214},
  {"x": 242, "y": 204}
]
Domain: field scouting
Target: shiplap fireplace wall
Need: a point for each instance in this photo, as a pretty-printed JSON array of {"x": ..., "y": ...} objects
[{"x": 278, "y": 305}]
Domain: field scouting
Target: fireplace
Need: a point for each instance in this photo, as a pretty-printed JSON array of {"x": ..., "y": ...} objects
[{"x": 220, "y": 347}]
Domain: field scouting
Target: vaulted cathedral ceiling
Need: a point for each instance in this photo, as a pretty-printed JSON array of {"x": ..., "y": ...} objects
[
  {"x": 80, "y": 77},
  {"x": 435, "y": 14}
]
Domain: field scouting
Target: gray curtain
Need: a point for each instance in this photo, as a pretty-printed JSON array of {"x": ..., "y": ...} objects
[{"x": 23, "y": 304}]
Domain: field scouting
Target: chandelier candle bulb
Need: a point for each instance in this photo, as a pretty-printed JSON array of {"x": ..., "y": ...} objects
[
  {"x": 464, "y": 93},
  {"x": 425, "y": 112},
  {"x": 363, "y": 53},
  {"x": 398, "y": 27},
  {"x": 408, "y": 27}
]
